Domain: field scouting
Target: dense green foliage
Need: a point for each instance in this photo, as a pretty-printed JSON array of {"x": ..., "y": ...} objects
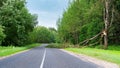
[
  {"x": 84, "y": 19},
  {"x": 17, "y": 22},
  {"x": 2, "y": 35},
  {"x": 42, "y": 34},
  {"x": 2, "y": 2},
  {"x": 80, "y": 21},
  {"x": 114, "y": 35}
]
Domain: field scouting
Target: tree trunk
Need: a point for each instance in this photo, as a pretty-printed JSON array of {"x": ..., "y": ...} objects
[
  {"x": 105, "y": 41},
  {"x": 106, "y": 21}
]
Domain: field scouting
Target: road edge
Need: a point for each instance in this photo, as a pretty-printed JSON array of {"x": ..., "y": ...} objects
[
  {"x": 86, "y": 58},
  {"x": 23, "y": 51},
  {"x": 1, "y": 58}
]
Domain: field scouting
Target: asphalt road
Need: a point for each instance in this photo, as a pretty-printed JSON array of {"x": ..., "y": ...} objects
[{"x": 42, "y": 57}]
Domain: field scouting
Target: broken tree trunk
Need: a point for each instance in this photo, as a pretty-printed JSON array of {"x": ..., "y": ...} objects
[
  {"x": 85, "y": 42},
  {"x": 106, "y": 21}
]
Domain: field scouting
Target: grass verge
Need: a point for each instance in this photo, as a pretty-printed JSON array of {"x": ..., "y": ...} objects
[
  {"x": 5, "y": 51},
  {"x": 58, "y": 45},
  {"x": 108, "y": 55}
]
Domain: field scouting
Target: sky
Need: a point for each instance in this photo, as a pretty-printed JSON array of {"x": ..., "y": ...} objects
[{"x": 48, "y": 11}]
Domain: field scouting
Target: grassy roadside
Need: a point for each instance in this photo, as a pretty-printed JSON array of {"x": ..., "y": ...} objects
[
  {"x": 5, "y": 51},
  {"x": 108, "y": 55},
  {"x": 111, "y": 55}
]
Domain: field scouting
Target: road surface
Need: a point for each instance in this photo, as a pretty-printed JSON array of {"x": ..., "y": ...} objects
[{"x": 41, "y": 57}]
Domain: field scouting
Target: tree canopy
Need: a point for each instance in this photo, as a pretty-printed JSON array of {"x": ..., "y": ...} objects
[
  {"x": 85, "y": 21},
  {"x": 42, "y": 34},
  {"x": 17, "y": 22}
]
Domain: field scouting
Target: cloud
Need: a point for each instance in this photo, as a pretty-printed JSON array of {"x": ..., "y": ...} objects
[
  {"x": 48, "y": 11},
  {"x": 50, "y": 23},
  {"x": 45, "y": 18}
]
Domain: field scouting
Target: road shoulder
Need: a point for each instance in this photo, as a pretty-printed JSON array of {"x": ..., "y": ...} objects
[
  {"x": 99, "y": 62},
  {"x": 14, "y": 54}
]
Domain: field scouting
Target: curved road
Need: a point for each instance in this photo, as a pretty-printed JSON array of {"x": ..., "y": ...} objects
[{"x": 41, "y": 57}]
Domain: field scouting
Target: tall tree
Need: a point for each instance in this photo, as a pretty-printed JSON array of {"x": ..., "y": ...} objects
[
  {"x": 42, "y": 34},
  {"x": 18, "y": 23}
]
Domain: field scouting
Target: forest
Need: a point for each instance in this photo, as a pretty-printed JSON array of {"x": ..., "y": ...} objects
[
  {"x": 90, "y": 23},
  {"x": 83, "y": 23}
]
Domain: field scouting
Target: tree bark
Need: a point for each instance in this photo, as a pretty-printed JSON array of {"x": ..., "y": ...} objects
[
  {"x": 106, "y": 21},
  {"x": 105, "y": 41}
]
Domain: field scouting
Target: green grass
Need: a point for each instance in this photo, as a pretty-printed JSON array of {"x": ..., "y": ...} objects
[
  {"x": 111, "y": 55},
  {"x": 5, "y": 51}
]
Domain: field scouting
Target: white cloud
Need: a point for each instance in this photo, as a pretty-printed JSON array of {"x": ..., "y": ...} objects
[
  {"x": 48, "y": 13},
  {"x": 51, "y": 23},
  {"x": 47, "y": 19}
]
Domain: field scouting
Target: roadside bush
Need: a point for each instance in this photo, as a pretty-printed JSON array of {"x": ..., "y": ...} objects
[
  {"x": 58, "y": 45},
  {"x": 2, "y": 35}
]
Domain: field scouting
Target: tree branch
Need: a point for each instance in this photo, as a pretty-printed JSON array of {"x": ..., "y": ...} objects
[{"x": 86, "y": 41}]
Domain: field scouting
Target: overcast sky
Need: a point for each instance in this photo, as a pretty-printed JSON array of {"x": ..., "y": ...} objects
[{"x": 48, "y": 10}]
